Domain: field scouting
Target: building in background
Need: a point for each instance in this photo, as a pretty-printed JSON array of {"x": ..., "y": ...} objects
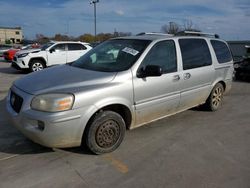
[{"x": 12, "y": 35}]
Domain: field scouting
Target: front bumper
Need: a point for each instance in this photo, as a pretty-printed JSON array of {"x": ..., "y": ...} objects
[
  {"x": 16, "y": 66},
  {"x": 20, "y": 63},
  {"x": 62, "y": 129}
]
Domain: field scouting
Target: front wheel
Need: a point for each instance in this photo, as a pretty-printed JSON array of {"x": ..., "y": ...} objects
[
  {"x": 36, "y": 65},
  {"x": 105, "y": 133},
  {"x": 215, "y": 98}
]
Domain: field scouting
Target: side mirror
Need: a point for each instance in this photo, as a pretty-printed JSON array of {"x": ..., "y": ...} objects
[
  {"x": 149, "y": 71},
  {"x": 52, "y": 50}
]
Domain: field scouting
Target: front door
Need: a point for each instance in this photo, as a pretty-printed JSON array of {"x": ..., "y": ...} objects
[
  {"x": 57, "y": 55},
  {"x": 156, "y": 97}
]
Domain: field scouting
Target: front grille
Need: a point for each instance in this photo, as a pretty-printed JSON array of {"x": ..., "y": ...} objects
[{"x": 16, "y": 102}]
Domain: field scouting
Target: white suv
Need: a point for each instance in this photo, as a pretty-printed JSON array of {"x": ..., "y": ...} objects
[{"x": 52, "y": 53}]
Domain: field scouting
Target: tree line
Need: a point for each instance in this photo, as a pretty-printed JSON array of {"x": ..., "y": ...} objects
[
  {"x": 40, "y": 38},
  {"x": 170, "y": 28}
]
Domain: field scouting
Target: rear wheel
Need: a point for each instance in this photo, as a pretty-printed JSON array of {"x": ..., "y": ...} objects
[
  {"x": 105, "y": 133},
  {"x": 36, "y": 65},
  {"x": 215, "y": 98}
]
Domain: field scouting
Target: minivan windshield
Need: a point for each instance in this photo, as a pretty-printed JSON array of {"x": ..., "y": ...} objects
[
  {"x": 45, "y": 46},
  {"x": 113, "y": 55}
]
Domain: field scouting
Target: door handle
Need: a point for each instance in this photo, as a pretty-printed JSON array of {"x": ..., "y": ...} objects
[
  {"x": 187, "y": 76},
  {"x": 176, "y": 78}
]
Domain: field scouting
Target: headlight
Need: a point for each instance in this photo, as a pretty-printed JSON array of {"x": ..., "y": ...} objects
[
  {"x": 53, "y": 102},
  {"x": 22, "y": 55}
]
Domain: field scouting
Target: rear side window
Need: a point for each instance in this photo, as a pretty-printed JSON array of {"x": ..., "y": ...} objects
[
  {"x": 73, "y": 47},
  {"x": 162, "y": 54},
  {"x": 195, "y": 53},
  {"x": 222, "y": 51}
]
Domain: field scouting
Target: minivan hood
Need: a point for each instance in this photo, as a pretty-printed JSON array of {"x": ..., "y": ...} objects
[
  {"x": 28, "y": 51},
  {"x": 61, "y": 78}
]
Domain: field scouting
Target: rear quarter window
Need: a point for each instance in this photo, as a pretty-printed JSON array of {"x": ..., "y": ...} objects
[{"x": 222, "y": 51}]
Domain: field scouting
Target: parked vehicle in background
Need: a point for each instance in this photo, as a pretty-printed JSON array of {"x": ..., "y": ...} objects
[
  {"x": 94, "y": 44},
  {"x": 122, "y": 83},
  {"x": 9, "y": 55},
  {"x": 4, "y": 48},
  {"x": 242, "y": 68},
  {"x": 238, "y": 49},
  {"x": 52, "y": 53}
]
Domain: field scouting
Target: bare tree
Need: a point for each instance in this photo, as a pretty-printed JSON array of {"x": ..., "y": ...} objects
[
  {"x": 40, "y": 38},
  {"x": 189, "y": 26},
  {"x": 60, "y": 37},
  {"x": 171, "y": 28}
]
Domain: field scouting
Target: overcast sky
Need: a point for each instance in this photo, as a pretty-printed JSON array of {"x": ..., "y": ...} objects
[{"x": 228, "y": 18}]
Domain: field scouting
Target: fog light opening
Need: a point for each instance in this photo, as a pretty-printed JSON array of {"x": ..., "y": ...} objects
[{"x": 40, "y": 125}]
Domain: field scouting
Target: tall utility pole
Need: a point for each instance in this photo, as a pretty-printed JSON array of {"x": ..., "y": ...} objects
[{"x": 94, "y": 3}]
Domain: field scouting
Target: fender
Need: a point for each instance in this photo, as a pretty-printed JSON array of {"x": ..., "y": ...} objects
[{"x": 116, "y": 101}]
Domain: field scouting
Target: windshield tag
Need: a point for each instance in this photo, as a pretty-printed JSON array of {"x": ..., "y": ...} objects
[{"x": 130, "y": 51}]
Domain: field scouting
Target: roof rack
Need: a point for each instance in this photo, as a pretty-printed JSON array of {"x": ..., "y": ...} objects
[
  {"x": 195, "y": 33},
  {"x": 154, "y": 33}
]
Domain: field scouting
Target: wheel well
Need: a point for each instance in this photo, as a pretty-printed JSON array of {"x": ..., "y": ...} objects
[
  {"x": 41, "y": 59},
  {"x": 223, "y": 84},
  {"x": 118, "y": 108},
  {"x": 122, "y": 110}
]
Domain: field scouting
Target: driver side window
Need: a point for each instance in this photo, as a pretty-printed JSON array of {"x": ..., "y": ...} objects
[
  {"x": 162, "y": 54},
  {"x": 59, "y": 47}
]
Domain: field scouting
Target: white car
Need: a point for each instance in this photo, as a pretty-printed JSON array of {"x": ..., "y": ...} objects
[{"x": 52, "y": 53}]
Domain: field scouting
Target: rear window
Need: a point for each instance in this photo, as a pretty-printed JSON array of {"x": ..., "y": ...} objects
[
  {"x": 195, "y": 53},
  {"x": 73, "y": 47},
  {"x": 222, "y": 51}
]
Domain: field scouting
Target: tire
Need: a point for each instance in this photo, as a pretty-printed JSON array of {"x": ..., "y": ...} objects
[
  {"x": 36, "y": 65},
  {"x": 105, "y": 133},
  {"x": 215, "y": 98}
]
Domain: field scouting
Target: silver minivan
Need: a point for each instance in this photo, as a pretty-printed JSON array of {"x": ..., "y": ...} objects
[{"x": 121, "y": 84}]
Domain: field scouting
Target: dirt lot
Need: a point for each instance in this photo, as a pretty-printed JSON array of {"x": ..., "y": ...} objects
[{"x": 191, "y": 149}]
